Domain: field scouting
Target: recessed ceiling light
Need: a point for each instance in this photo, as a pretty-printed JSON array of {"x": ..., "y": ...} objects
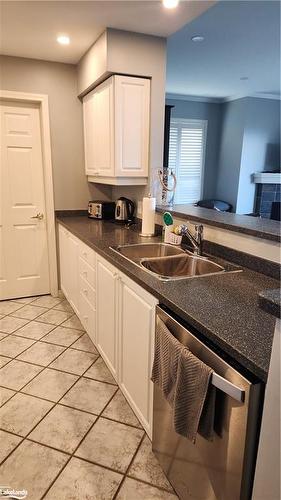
[
  {"x": 244, "y": 78},
  {"x": 63, "y": 39},
  {"x": 197, "y": 38},
  {"x": 170, "y": 4}
]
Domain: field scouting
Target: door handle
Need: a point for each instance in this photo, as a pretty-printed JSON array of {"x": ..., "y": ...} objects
[{"x": 38, "y": 216}]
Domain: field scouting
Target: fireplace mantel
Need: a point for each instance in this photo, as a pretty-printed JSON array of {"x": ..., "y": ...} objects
[{"x": 267, "y": 178}]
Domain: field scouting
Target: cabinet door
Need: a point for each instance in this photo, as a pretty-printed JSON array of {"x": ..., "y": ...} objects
[
  {"x": 106, "y": 312},
  {"x": 98, "y": 130},
  {"x": 73, "y": 272},
  {"x": 68, "y": 247},
  {"x": 132, "y": 110},
  {"x": 87, "y": 315},
  {"x": 64, "y": 257},
  {"x": 136, "y": 343},
  {"x": 89, "y": 103}
]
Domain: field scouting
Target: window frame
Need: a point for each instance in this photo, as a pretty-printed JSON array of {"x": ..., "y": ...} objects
[{"x": 184, "y": 122}]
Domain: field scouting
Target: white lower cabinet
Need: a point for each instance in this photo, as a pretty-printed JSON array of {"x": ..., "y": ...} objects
[
  {"x": 119, "y": 317},
  {"x": 68, "y": 245},
  {"x": 78, "y": 278},
  {"x": 107, "y": 332},
  {"x": 73, "y": 272},
  {"x": 87, "y": 316},
  {"x": 136, "y": 346},
  {"x": 63, "y": 253}
]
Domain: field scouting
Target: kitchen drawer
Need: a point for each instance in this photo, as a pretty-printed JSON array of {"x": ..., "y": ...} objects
[
  {"x": 87, "y": 254},
  {"x": 88, "y": 292},
  {"x": 87, "y": 272},
  {"x": 87, "y": 316}
]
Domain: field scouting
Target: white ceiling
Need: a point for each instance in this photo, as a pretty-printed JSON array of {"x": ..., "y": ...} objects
[
  {"x": 29, "y": 29},
  {"x": 242, "y": 39}
]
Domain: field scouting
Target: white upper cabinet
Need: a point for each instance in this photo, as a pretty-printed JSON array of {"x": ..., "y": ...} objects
[
  {"x": 116, "y": 131},
  {"x": 98, "y": 131}
]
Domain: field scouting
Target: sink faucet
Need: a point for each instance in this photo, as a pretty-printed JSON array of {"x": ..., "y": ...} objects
[{"x": 197, "y": 239}]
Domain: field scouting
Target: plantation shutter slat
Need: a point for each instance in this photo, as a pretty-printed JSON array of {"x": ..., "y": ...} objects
[{"x": 186, "y": 157}]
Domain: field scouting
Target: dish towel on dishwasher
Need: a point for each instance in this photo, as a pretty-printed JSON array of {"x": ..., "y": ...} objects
[
  {"x": 166, "y": 359},
  {"x": 185, "y": 383}
]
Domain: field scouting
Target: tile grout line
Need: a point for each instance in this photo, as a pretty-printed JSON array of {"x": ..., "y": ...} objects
[
  {"x": 76, "y": 456},
  {"x": 49, "y": 343},
  {"x": 83, "y": 332},
  {"x": 161, "y": 488},
  {"x": 43, "y": 368},
  {"x": 52, "y": 407},
  {"x": 58, "y": 369},
  {"x": 43, "y": 322},
  {"x": 54, "y": 404},
  {"x": 34, "y": 364},
  {"x": 111, "y": 419},
  {"x": 124, "y": 475},
  {"x": 27, "y": 323},
  {"x": 80, "y": 442},
  {"x": 128, "y": 467}
]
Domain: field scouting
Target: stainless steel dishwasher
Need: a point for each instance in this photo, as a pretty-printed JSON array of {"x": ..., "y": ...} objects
[{"x": 221, "y": 469}]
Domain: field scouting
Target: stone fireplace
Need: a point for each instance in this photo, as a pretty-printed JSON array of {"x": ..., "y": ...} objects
[{"x": 268, "y": 197}]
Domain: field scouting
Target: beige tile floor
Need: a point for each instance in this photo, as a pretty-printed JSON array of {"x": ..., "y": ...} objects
[{"x": 66, "y": 431}]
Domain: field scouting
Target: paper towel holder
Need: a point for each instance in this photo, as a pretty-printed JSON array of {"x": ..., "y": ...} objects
[{"x": 147, "y": 235}]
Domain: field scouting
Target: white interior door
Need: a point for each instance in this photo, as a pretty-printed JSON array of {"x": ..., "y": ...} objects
[{"x": 24, "y": 266}]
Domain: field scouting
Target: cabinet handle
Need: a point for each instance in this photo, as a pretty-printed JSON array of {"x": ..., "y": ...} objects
[
  {"x": 85, "y": 318},
  {"x": 85, "y": 274},
  {"x": 85, "y": 292}
]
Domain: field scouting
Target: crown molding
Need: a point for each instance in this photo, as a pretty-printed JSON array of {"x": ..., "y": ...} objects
[
  {"x": 220, "y": 100},
  {"x": 255, "y": 95},
  {"x": 183, "y": 97}
]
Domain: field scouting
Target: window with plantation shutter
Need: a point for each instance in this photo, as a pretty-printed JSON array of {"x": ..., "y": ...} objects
[{"x": 186, "y": 157}]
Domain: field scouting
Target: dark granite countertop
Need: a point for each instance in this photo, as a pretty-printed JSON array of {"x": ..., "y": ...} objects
[
  {"x": 270, "y": 301},
  {"x": 223, "y": 309},
  {"x": 255, "y": 226}
]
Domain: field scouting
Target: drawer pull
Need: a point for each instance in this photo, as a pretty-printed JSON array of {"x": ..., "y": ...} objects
[
  {"x": 85, "y": 318},
  {"x": 85, "y": 292},
  {"x": 85, "y": 274}
]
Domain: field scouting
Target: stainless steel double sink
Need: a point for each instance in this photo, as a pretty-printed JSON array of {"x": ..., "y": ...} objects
[{"x": 168, "y": 262}]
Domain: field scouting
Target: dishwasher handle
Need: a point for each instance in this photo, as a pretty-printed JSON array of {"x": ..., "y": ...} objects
[
  {"x": 228, "y": 388},
  {"x": 216, "y": 380}
]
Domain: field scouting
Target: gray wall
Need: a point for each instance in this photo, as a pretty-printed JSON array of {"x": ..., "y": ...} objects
[
  {"x": 250, "y": 142},
  {"x": 261, "y": 147},
  {"x": 203, "y": 111},
  {"x": 59, "y": 82},
  {"x": 233, "y": 118}
]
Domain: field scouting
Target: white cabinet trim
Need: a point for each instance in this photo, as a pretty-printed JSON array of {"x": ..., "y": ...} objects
[
  {"x": 42, "y": 101},
  {"x": 140, "y": 297},
  {"x": 118, "y": 181},
  {"x": 148, "y": 299},
  {"x": 121, "y": 140}
]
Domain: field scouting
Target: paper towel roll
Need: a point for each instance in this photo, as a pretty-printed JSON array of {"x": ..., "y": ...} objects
[{"x": 148, "y": 216}]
